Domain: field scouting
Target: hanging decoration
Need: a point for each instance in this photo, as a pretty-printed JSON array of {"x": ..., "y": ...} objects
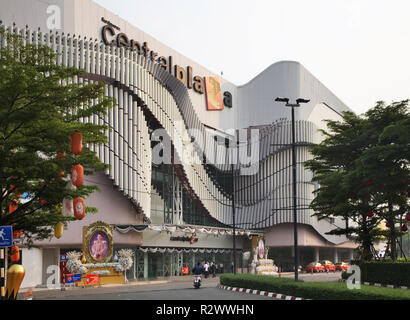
[
  {"x": 70, "y": 186},
  {"x": 60, "y": 155},
  {"x": 193, "y": 239},
  {"x": 404, "y": 228},
  {"x": 408, "y": 217},
  {"x": 15, "y": 254},
  {"x": 172, "y": 229},
  {"x": 77, "y": 175},
  {"x": 68, "y": 207},
  {"x": 370, "y": 214},
  {"x": 13, "y": 206},
  {"x": 79, "y": 208},
  {"x": 181, "y": 250},
  {"x": 58, "y": 230},
  {"x": 76, "y": 143},
  {"x": 17, "y": 234}
]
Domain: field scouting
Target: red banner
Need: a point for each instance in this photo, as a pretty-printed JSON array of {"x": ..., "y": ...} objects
[{"x": 93, "y": 279}]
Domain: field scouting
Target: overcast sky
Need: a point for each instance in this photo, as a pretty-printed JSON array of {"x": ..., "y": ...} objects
[{"x": 359, "y": 49}]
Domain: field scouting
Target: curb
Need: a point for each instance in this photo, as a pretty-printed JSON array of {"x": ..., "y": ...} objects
[
  {"x": 260, "y": 293},
  {"x": 372, "y": 284}
]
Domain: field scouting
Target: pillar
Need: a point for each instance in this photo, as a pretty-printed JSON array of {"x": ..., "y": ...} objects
[
  {"x": 135, "y": 264},
  {"x": 351, "y": 254},
  {"x": 317, "y": 256},
  {"x": 336, "y": 255},
  {"x": 145, "y": 265}
]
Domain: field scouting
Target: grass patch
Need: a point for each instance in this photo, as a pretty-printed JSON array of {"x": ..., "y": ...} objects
[{"x": 312, "y": 290}]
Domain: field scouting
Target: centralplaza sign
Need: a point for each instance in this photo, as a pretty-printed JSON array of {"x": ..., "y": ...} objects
[{"x": 121, "y": 40}]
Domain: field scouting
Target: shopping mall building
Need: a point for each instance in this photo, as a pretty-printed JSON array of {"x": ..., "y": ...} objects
[{"x": 173, "y": 110}]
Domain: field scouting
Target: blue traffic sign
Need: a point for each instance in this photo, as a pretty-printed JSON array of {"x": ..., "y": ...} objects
[{"x": 6, "y": 237}]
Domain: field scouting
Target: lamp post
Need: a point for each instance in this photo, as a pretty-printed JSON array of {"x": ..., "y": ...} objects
[
  {"x": 227, "y": 143},
  {"x": 295, "y": 217}
]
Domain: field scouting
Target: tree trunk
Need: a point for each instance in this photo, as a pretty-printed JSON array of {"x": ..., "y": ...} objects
[
  {"x": 366, "y": 241},
  {"x": 392, "y": 234}
]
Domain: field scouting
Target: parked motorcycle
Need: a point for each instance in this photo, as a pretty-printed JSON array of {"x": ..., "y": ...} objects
[{"x": 197, "y": 281}]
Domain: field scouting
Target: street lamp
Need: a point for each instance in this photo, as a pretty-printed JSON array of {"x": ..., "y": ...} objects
[
  {"x": 227, "y": 143},
  {"x": 295, "y": 217}
]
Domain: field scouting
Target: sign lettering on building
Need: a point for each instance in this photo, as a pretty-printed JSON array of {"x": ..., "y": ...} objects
[{"x": 113, "y": 37}]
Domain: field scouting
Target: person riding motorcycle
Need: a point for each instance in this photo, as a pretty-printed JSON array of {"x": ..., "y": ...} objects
[{"x": 198, "y": 270}]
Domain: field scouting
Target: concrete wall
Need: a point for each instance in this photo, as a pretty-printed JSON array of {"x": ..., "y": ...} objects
[
  {"x": 287, "y": 79},
  {"x": 51, "y": 257},
  {"x": 32, "y": 261},
  {"x": 113, "y": 208}
]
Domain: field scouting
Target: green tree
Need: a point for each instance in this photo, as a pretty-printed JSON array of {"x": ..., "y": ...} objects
[
  {"x": 357, "y": 168},
  {"x": 385, "y": 165},
  {"x": 40, "y": 107}
]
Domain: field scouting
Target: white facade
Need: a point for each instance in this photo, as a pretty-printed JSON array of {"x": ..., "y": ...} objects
[{"x": 137, "y": 81}]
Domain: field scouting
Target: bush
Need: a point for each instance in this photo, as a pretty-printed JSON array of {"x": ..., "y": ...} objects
[
  {"x": 385, "y": 272},
  {"x": 312, "y": 290}
]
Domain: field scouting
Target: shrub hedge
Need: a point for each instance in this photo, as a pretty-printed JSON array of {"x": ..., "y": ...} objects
[
  {"x": 385, "y": 272},
  {"x": 312, "y": 290}
]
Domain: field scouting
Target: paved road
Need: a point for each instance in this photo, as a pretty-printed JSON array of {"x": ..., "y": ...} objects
[
  {"x": 170, "y": 289},
  {"x": 174, "y": 290}
]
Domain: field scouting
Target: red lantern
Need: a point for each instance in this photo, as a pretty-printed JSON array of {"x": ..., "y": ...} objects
[
  {"x": 17, "y": 234},
  {"x": 68, "y": 210},
  {"x": 77, "y": 175},
  {"x": 79, "y": 208},
  {"x": 60, "y": 155},
  {"x": 370, "y": 214},
  {"x": 14, "y": 189},
  {"x": 43, "y": 202},
  {"x": 15, "y": 254},
  {"x": 408, "y": 217},
  {"x": 76, "y": 143},
  {"x": 404, "y": 228},
  {"x": 388, "y": 225},
  {"x": 13, "y": 206}
]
